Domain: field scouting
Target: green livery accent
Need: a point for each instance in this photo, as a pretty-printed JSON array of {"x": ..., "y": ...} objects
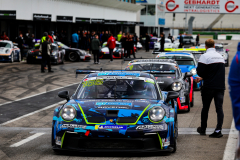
[
  {"x": 160, "y": 140},
  {"x": 137, "y": 119},
  {"x": 62, "y": 139},
  {"x": 131, "y": 67},
  {"x": 86, "y": 118}
]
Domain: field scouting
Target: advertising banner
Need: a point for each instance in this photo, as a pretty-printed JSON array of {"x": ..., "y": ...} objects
[
  {"x": 68, "y": 19},
  {"x": 83, "y": 20},
  {"x": 97, "y": 21},
  {"x": 42, "y": 17},
  {"x": 7, "y": 14},
  {"x": 110, "y": 22},
  {"x": 202, "y": 6}
]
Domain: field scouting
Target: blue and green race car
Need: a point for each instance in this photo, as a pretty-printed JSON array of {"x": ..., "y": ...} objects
[{"x": 116, "y": 111}]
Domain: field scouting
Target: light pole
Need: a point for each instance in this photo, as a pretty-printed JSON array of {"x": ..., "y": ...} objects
[{"x": 221, "y": 26}]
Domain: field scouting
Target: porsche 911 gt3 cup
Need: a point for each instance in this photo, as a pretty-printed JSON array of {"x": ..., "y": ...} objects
[
  {"x": 116, "y": 111},
  {"x": 9, "y": 52}
]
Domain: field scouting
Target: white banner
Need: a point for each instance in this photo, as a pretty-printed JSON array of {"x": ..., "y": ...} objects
[{"x": 202, "y": 6}]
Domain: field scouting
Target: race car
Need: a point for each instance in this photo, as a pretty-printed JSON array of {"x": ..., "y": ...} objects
[
  {"x": 9, "y": 52},
  {"x": 186, "y": 63},
  {"x": 34, "y": 56},
  {"x": 138, "y": 46},
  {"x": 220, "y": 49},
  {"x": 188, "y": 40},
  {"x": 169, "y": 78},
  {"x": 116, "y": 112},
  {"x": 73, "y": 54},
  {"x": 118, "y": 51}
]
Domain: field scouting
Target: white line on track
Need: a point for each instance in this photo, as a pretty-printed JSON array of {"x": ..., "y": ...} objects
[
  {"x": 29, "y": 114},
  {"x": 230, "y": 149},
  {"x": 27, "y": 140},
  {"x": 38, "y": 94}
]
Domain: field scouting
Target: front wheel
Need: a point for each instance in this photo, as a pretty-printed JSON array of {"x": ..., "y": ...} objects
[
  {"x": 73, "y": 56},
  {"x": 174, "y": 146},
  {"x": 188, "y": 103},
  {"x": 12, "y": 59}
]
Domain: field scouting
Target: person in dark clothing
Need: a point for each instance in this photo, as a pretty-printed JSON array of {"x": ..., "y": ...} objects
[
  {"x": 20, "y": 44},
  {"x": 180, "y": 41},
  {"x": 135, "y": 39},
  {"x": 123, "y": 41},
  {"x": 84, "y": 42},
  {"x": 147, "y": 42},
  {"x": 197, "y": 40},
  {"x": 170, "y": 37},
  {"x": 132, "y": 46},
  {"x": 95, "y": 45},
  {"x": 162, "y": 42},
  {"x": 91, "y": 38},
  {"x": 45, "y": 50},
  {"x": 211, "y": 69},
  {"x": 30, "y": 41},
  {"x": 105, "y": 37}
]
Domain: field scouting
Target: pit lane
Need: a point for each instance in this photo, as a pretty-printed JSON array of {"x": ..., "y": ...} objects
[{"x": 21, "y": 80}]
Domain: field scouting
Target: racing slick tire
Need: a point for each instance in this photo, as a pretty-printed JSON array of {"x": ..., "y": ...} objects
[
  {"x": 73, "y": 56},
  {"x": 174, "y": 146},
  {"x": 188, "y": 103},
  {"x": 19, "y": 57},
  {"x": 227, "y": 64},
  {"x": 12, "y": 59},
  {"x": 192, "y": 103}
]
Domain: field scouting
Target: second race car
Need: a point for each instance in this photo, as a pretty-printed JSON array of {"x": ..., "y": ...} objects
[{"x": 9, "y": 52}]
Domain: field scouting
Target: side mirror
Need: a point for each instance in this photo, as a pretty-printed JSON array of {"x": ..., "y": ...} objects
[
  {"x": 172, "y": 95},
  {"x": 227, "y": 50},
  {"x": 188, "y": 75},
  {"x": 64, "y": 94}
]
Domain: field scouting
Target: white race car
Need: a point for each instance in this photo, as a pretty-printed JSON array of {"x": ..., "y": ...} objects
[
  {"x": 9, "y": 52},
  {"x": 139, "y": 45}
]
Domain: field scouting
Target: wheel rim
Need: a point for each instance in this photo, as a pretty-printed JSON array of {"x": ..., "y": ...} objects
[
  {"x": 72, "y": 56},
  {"x": 19, "y": 57},
  {"x": 12, "y": 58}
]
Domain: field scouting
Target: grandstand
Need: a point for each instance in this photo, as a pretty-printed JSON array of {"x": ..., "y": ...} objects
[{"x": 205, "y": 21}]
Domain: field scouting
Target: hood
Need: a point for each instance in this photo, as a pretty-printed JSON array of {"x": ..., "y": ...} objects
[
  {"x": 3, "y": 51},
  {"x": 112, "y": 111},
  {"x": 106, "y": 50},
  {"x": 186, "y": 68},
  {"x": 165, "y": 83}
]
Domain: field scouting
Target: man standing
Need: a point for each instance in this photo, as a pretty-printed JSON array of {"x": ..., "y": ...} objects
[
  {"x": 180, "y": 41},
  {"x": 105, "y": 37},
  {"x": 45, "y": 50},
  {"x": 147, "y": 42},
  {"x": 75, "y": 40},
  {"x": 20, "y": 44},
  {"x": 100, "y": 37},
  {"x": 50, "y": 37},
  {"x": 197, "y": 40},
  {"x": 95, "y": 45},
  {"x": 119, "y": 36},
  {"x": 162, "y": 42},
  {"x": 111, "y": 43},
  {"x": 30, "y": 41},
  {"x": 170, "y": 37},
  {"x": 211, "y": 69}
]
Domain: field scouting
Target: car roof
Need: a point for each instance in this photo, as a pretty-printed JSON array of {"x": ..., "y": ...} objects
[
  {"x": 154, "y": 61},
  {"x": 121, "y": 74},
  {"x": 6, "y": 41}
]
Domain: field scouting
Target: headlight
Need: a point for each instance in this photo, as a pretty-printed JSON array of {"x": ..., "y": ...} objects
[
  {"x": 176, "y": 86},
  {"x": 193, "y": 71},
  {"x": 7, "y": 51},
  {"x": 83, "y": 53},
  {"x": 224, "y": 56},
  {"x": 156, "y": 114},
  {"x": 68, "y": 113},
  {"x": 54, "y": 53}
]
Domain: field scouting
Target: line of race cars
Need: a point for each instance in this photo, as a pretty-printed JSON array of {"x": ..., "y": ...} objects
[{"x": 131, "y": 110}]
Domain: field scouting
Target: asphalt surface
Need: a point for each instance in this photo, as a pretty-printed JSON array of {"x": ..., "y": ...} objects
[{"x": 25, "y": 90}]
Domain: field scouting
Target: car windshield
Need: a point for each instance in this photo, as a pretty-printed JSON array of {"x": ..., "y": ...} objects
[
  {"x": 181, "y": 60},
  {"x": 153, "y": 40},
  {"x": 113, "y": 88},
  {"x": 5, "y": 45},
  {"x": 187, "y": 37},
  {"x": 152, "y": 67},
  {"x": 54, "y": 48},
  {"x": 167, "y": 41},
  {"x": 219, "y": 49},
  {"x": 62, "y": 45},
  {"x": 118, "y": 45}
]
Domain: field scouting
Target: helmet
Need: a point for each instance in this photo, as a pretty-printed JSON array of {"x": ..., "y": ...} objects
[{"x": 139, "y": 87}]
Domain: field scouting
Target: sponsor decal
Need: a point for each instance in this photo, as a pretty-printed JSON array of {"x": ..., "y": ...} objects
[
  {"x": 73, "y": 126},
  {"x": 118, "y": 73},
  {"x": 171, "y": 6},
  {"x": 111, "y": 120},
  {"x": 117, "y": 127},
  {"x": 113, "y": 107},
  {"x": 151, "y": 127},
  {"x": 114, "y": 103},
  {"x": 90, "y": 83},
  {"x": 231, "y": 8},
  {"x": 149, "y": 81}
]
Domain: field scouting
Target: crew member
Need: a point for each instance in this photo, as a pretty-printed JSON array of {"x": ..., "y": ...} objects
[
  {"x": 180, "y": 41},
  {"x": 170, "y": 37},
  {"x": 95, "y": 45},
  {"x": 119, "y": 36},
  {"x": 162, "y": 42},
  {"x": 111, "y": 43},
  {"x": 211, "y": 69},
  {"x": 50, "y": 36},
  {"x": 197, "y": 40},
  {"x": 45, "y": 50},
  {"x": 147, "y": 42},
  {"x": 20, "y": 44},
  {"x": 43, "y": 39},
  {"x": 75, "y": 40}
]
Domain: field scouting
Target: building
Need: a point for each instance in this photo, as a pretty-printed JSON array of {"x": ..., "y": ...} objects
[
  {"x": 38, "y": 16},
  {"x": 153, "y": 16}
]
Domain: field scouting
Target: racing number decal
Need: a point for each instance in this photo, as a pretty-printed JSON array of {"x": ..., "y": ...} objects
[
  {"x": 230, "y": 11},
  {"x": 171, "y": 10},
  {"x": 90, "y": 83}
]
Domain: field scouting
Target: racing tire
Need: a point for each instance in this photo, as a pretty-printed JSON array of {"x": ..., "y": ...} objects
[
  {"x": 73, "y": 56},
  {"x": 188, "y": 103},
  {"x": 19, "y": 57},
  {"x": 12, "y": 59},
  {"x": 227, "y": 64},
  {"x": 174, "y": 146},
  {"x": 192, "y": 103},
  {"x": 62, "y": 61}
]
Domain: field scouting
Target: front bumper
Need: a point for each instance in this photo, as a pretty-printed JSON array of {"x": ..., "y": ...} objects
[
  {"x": 5, "y": 58},
  {"x": 76, "y": 142}
]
